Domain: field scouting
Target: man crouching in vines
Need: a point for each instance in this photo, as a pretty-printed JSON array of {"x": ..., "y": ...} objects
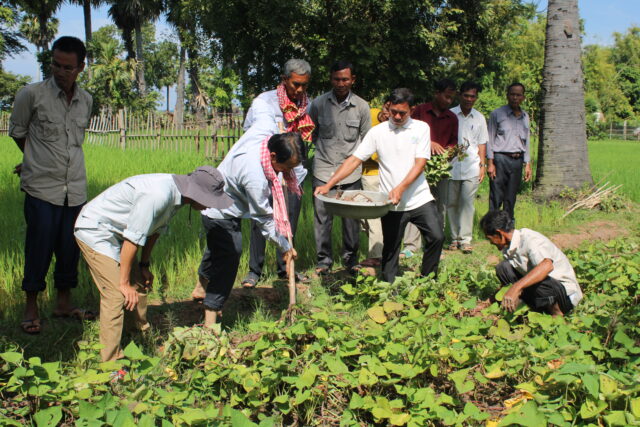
[{"x": 536, "y": 270}]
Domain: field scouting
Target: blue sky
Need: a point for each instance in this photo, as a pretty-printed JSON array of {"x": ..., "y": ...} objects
[{"x": 602, "y": 19}]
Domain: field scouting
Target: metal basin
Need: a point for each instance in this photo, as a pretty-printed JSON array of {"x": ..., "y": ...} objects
[{"x": 357, "y": 204}]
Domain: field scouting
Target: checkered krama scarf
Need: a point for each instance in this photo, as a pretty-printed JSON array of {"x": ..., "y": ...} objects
[
  {"x": 280, "y": 214},
  {"x": 296, "y": 116}
]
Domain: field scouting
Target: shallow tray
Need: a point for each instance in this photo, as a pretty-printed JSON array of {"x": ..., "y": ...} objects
[{"x": 364, "y": 204}]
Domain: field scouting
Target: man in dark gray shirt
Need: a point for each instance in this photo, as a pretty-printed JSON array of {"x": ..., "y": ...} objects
[
  {"x": 507, "y": 150},
  {"x": 342, "y": 119}
]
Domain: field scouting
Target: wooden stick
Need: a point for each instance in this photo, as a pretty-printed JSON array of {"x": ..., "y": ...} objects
[{"x": 291, "y": 265}]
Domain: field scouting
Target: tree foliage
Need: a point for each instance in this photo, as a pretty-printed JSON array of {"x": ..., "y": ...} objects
[{"x": 10, "y": 43}]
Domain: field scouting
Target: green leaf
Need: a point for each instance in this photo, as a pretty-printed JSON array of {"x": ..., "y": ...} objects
[
  {"x": 616, "y": 418},
  {"x": 307, "y": 378},
  {"x": 89, "y": 410},
  {"x": 49, "y": 417},
  {"x": 609, "y": 387},
  {"x": 591, "y": 407},
  {"x": 377, "y": 314},
  {"x": 12, "y": 357},
  {"x": 390, "y": 306},
  {"x": 460, "y": 380},
  {"x": 132, "y": 352},
  {"x": 591, "y": 384},
  {"x": 528, "y": 416},
  {"x": 635, "y": 407}
]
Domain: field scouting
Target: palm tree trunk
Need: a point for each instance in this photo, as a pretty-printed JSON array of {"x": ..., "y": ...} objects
[
  {"x": 142, "y": 85},
  {"x": 178, "y": 111},
  {"x": 198, "y": 101},
  {"x": 562, "y": 154},
  {"x": 167, "y": 98},
  {"x": 86, "y": 8}
]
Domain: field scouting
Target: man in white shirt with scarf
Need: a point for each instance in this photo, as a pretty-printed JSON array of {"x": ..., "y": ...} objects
[{"x": 251, "y": 171}]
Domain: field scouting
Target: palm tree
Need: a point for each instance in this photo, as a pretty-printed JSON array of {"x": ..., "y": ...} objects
[
  {"x": 562, "y": 155},
  {"x": 112, "y": 78},
  {"x": 179, "y": 17},
  {"x": 86, "y": 8},
  {"x": 43, "y": 11},
  {"x": 129, "y": 15}
]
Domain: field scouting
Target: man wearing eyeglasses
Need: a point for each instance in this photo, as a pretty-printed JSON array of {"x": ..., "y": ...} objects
[{"x": 48, "y": 123}]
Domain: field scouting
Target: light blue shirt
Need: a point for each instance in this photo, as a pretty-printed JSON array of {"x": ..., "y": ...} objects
[
  {"x": 247, "y": 185},
  {"x": 133, "y": 209}
]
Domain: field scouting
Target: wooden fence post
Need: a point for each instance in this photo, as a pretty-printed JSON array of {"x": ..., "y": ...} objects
[{"x": 123, "y": 130}]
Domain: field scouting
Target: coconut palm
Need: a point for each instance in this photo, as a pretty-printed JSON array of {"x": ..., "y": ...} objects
[
  {"x": 563, "y": 159},
  {"x": 86, "y": 9}
]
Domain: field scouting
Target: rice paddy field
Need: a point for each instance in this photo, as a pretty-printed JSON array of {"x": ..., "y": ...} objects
[{"x": 175, "y": 261}]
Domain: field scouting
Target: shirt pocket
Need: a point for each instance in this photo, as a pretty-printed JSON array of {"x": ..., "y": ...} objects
[
  {"x": 326, "y": 128},
  {"x": 49, "y": 127},
  {"x": 81, "y": 124},
  {"x": 351, "y": 130}
]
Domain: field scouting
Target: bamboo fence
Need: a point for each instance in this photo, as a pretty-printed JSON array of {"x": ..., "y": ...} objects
[{"x": 213, "y": 137}]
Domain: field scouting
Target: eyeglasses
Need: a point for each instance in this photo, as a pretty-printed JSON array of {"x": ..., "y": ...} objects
[{"x": 66, "y": 68}]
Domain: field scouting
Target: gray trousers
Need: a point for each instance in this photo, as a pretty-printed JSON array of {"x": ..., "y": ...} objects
[
  {"x": 460, "y": 209},
  {"x": 323, "y": 224},
  {"x": 372, "y": 183}
]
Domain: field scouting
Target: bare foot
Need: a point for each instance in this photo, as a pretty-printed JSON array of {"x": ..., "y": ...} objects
[
  {"x": 211, "y": 317},
  {"x": 200, "y": 290},
  {"x": 31, "y": 306}
]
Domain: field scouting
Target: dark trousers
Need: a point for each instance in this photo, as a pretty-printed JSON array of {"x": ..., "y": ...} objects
[
  {"x": 49, "y": 231},
  {"x": 323, "y": 224},
  {"x": 258, "y": 243},
  {"x": 539, "y": 297},
  {"x": 220, "y": 261},
  {"x": 504, "y": 187},
  {"x": 428, "y": 221}
]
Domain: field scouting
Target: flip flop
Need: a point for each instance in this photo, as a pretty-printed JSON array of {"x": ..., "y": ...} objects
[
  {"x": 31, "y": 326},
  {"x": 249, "y": 283},
  {"x": 76, "y": 313}
]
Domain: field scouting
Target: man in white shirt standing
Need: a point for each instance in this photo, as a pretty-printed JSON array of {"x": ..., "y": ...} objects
[
  {"x": 536, "y": 270},
  {"x": 124, "y": 218},
  {"x": 403, "y": 147},
  {"x": 466, "y": 174}
]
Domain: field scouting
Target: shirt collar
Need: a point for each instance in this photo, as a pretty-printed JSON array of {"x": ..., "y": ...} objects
[
  {"x": 393, "y": 126},
  {"x": 457, "y": 110},
  {"x": 59, "y": 92},
  {"x": 515, "y": 243},
  {"x": 342, "y": 104}
]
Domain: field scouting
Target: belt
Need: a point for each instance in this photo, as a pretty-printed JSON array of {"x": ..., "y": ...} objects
[{"x": 512, "y": 155}]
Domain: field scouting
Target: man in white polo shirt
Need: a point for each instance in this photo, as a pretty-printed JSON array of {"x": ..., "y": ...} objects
[
  {"x": 536, "y": 270},
  {"x": 403, "y": 147}
]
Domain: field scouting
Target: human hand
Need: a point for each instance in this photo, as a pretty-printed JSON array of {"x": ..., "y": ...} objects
[
  {"x": 17, "y": 169},
  {"x": 511, "y": 299},
  {"x": 147, "y": 277},
  {"x": 527, "y": 172},
  {"x": 323, "y": 189},
  {"x": 491, "y": 171},
  {"x": 395, "y": 195},
  {"x": 290, "y": 255},
  {"x": 483, "y": 170},
  {"x": 437, "y": 148},
  {"x": 130, "y": 296}
]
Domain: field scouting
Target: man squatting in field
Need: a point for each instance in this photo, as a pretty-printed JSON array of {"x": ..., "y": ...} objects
[
  {"x": 48, "y": 123},
  {"x": 273, "y": 112},
  {"x": 536, "y": 270},
  {"x": 250, "y": 170},
  {"x": 125, "y": 217},
  {"x": 403, "y": 147}
]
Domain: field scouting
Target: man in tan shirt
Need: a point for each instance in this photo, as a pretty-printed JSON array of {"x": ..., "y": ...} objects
[{"x": 48, "y": 123}]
